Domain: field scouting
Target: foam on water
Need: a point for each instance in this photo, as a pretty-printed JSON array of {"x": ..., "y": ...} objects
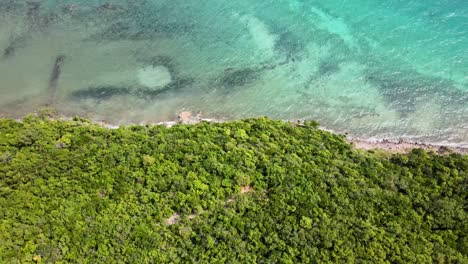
[{"x": 371, "y": 68}]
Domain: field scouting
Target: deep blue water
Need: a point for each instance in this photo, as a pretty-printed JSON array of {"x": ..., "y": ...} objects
[{"x": 371, "y": 68}]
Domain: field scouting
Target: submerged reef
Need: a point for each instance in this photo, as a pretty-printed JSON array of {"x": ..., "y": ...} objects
[
  {"x": 54, "y": 77},
  {"x": 404, "y": 90},
  {"x": 102, "y": 93},
  {"x": 328, "y": 66},
  {"x": 356, "y": 69},
  {"x": 36, "y": 19},
  {"x": 289, "y": 44},
  {"x": 128, "y": 28},
  {"x": 238, "y": 77},
  {"x": 157, "y": 75},
  {"x": 15, "y": 43}
]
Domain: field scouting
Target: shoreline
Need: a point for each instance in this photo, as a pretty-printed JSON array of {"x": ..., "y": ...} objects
[
  {"x": 402, "y": 146},
  {"x": 390, "y": 145}
]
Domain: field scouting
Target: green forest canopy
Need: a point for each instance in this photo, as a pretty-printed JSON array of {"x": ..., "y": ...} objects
[{"x": 251, "y": 191}]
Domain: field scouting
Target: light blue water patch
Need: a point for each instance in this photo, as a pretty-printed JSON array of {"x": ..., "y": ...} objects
[{"x": 371, "y": 68}]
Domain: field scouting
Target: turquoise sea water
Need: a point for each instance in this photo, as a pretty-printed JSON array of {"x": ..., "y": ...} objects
[{"x": 371, "y": 68}]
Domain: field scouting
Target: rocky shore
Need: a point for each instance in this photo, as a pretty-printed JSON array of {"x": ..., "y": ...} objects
[{"x": 402, "y": 146}]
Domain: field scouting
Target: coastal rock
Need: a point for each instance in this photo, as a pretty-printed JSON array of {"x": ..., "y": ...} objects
[
  {"x": 186, "y": 117},
  {"x": 444, "y": 150}
]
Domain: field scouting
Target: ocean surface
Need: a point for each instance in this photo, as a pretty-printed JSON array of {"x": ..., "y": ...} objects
[{"x": 371, "y": 68}]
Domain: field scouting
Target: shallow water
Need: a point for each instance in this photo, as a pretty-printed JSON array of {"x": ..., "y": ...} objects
[{"x": 371, "y": 68}]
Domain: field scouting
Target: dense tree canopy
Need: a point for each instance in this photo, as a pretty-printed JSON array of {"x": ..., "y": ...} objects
[{"x": 251, "y": 191}]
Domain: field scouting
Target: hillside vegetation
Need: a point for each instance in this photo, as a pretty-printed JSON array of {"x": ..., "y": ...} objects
[{"x": 251, "y": 191}]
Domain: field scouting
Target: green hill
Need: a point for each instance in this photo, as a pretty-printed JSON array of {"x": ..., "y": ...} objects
[{"x": 251, "y": 191}]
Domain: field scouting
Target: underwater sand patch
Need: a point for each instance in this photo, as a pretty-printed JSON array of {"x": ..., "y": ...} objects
[
  {"x": 260, "y": 34},
  {"x": 154, "y": 77}
]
